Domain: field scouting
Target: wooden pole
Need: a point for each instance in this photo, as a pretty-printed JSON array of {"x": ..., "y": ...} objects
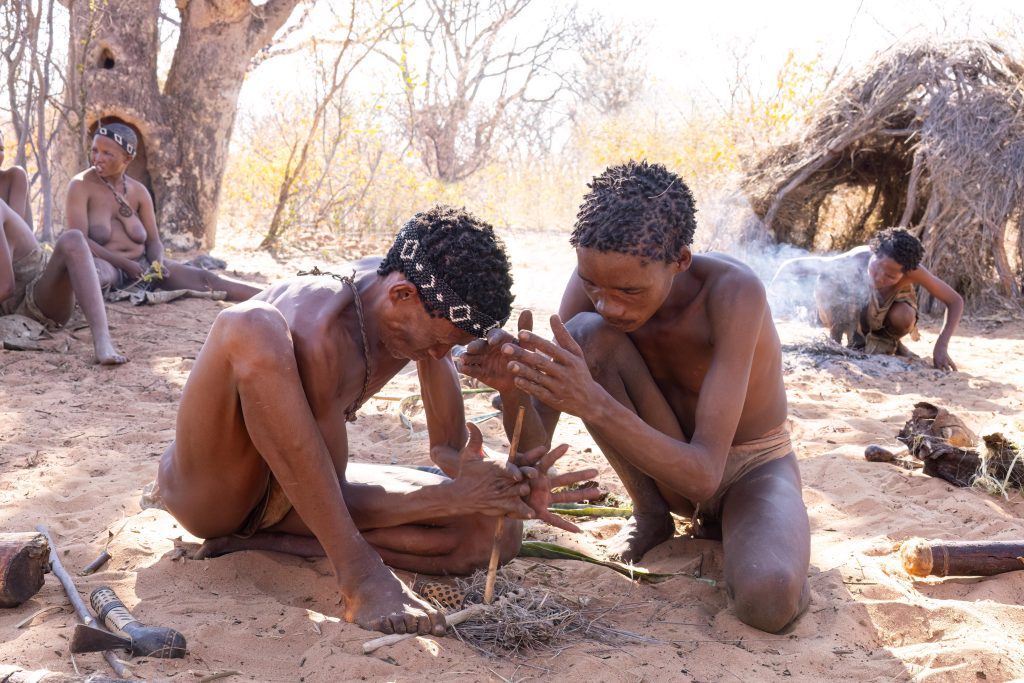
[
  {"x": 499, "y": 528},
  {"x": 23, "y": 561},
  {"x": 76, "y": 601},
  {"x": 961, "y": 558}
]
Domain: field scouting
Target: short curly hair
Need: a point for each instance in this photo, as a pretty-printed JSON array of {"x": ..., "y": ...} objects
[
  {"x": 899, "y": 245},
  {"x": 639, "y": 209},
  {"x": 464, "y": 251}
]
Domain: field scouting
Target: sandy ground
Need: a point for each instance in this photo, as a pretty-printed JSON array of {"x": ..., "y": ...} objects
[{"x": 78, "y": 442}]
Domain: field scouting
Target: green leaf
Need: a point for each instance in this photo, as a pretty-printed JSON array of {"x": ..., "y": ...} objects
[
  {"x": 584, "y": 510},
  {"x": 553, "y": 551}
]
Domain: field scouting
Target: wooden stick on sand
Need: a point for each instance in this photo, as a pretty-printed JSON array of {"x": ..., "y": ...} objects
[
  {"x": 499, "y": 529},
  {"x": 961, "y": 558}
]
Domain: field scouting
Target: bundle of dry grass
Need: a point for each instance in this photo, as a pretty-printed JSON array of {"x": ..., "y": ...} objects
[
  {"x": 930, "y": 136},
  {"x": 529, "y": 618}
]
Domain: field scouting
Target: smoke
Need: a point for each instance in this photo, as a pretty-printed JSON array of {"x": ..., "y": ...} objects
[{"x": 730, "y": 226}]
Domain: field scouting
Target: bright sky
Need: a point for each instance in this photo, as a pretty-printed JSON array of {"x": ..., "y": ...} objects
[
  {"x": 696, "y": 44},
  {"x": 693, "y": 47}
]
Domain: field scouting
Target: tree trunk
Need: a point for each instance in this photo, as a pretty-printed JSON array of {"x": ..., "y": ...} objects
[{"x": 185, "y": 129}]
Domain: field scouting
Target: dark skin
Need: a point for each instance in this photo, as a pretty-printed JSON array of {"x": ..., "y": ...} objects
[
  {"x": 14, "y": 188},
  {"x": 69, "y": 276},
  {"x": 116, "y": 241},
  {"x": 669, "y": 365},
  {"x": 278, "y": 406},
  {"x": 886, "y": 275}
]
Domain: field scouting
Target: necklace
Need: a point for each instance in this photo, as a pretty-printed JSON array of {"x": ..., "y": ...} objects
[
  {"x": 124, "y": 207},
  {"x": 350, "y": 412}
]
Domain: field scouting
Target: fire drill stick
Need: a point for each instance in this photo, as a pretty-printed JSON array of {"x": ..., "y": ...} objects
[{"x": 499, "y": 528}]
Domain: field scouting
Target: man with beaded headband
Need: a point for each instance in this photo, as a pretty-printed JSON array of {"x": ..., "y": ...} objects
[
  {"x": 673, "y": 363},
  {"x": 115, "y": 212},
  {"x": 261, "y": 454}
]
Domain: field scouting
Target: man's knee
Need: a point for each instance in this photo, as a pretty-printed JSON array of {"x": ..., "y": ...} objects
[
  {"x": 597, "y": 338},
  {"x": 770, "y": 599}
]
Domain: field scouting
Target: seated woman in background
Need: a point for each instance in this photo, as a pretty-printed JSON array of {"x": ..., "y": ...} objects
[
  {"x": 44, "y": 286},
  {"x": 868, "y": 294},
  {"x": 116, "y": 213},
  {"x": 14, "y": 187}
]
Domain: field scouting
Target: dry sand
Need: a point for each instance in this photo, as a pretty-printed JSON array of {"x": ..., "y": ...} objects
[{"x": 78, "y": 442}]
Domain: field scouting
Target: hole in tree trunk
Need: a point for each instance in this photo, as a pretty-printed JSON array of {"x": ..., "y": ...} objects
[{"x": 106, "y": 60}]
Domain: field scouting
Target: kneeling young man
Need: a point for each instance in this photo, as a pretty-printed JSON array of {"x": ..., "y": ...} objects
[
  {"x": 673, "y": 363},
  {"x": 261, "y": 450}
]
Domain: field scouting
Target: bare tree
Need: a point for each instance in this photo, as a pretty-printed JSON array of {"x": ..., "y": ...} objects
[
  {"x": 468, "y": 78},
  {"x": 27, "y": 36},
  {"x": 613, "y": 72},
  {"x": 356, "y": 44}
]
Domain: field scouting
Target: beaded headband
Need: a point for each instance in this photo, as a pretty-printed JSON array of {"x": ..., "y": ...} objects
[
  {"x": 435, "y": 290},
  {"x": 118, "y": 138}
]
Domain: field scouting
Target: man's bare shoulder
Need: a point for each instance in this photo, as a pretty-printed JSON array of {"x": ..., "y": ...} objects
[{"x": 728, "y": 279}]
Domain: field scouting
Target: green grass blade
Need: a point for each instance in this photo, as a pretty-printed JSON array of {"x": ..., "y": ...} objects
[{"x": 553, "y": 551}]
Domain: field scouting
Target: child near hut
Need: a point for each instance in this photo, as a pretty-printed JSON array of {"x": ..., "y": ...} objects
[{"x": 868, "y": 294}]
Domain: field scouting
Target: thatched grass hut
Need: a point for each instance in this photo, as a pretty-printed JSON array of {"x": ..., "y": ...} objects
[{"x": 929, "y": 137}]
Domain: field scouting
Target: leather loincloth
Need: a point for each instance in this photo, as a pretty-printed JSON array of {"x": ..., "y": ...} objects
[{"x": 744, "y": 458}]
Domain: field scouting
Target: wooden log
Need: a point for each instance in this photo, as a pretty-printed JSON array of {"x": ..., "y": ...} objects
[
  {"x": 23, "y": 561},
  {"x": 961, "y": 558}
]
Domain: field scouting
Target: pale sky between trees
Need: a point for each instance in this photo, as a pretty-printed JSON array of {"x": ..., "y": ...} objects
[{"x": 696, "y": 48}]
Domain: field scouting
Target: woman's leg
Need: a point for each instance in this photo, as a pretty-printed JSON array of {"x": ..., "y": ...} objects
[{"x": 71, "y": 273}]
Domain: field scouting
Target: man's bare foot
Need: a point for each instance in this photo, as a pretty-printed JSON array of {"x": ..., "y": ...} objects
[
  {"x": 291, "y": 544},
  {"x": 106, "y": 354},
  {"x": 383, "y": 603},
  {"x": 639, "y": 534}
]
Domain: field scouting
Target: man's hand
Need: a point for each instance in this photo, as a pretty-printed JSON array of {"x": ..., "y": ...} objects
[
  {"x": 941, "y": 359},
  {"x": 554, "y": 373},
  {"x": 537, "y": 464},
  {"x": 483, "y": 360},
  {"x": 486, "y": 486}
]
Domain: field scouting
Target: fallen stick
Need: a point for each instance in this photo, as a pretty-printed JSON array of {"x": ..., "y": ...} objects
[
  {"x": 76, "y": 601},
  {"x": 95, "y": 564},
  {"x": 961, "y": 558},
  {"x": 452, "y": 619},
  {"x": 499, "y": 528}
]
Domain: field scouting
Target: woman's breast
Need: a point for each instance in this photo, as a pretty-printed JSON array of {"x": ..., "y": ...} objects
[
  {"x": 135, "y": 230},
  {"x": 99, "y": 232}
]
